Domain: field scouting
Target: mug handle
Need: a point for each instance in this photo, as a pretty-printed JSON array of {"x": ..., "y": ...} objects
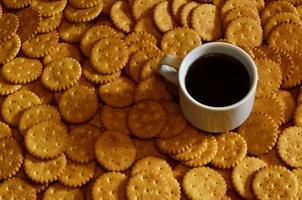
[{"x": 167, "y": 67}]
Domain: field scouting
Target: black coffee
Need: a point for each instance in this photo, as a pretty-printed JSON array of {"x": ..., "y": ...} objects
[{"x": 217, "y": 80}]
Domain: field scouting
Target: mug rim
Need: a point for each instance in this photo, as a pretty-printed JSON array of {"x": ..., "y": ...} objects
[{"x": 251, "y": 64}]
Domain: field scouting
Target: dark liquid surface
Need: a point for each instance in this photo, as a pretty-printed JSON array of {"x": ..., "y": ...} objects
[{"x": 217, "y": 80}]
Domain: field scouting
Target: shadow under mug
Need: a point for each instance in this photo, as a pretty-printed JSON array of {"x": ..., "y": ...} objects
[{"x": 208, "y": 118}]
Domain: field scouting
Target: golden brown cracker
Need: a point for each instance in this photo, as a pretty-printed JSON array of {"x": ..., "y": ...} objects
[
  {"x": 86, "y": 3},
  {"x": 150, "y": 68},
  {"x": 40, "y": 45},
  {"x": 5, "y": 130},
  {"x": 10, "y": 49},
  {"x": 212, "y": 29},
  {"x": 9, "y": 24},
  {"x": 39, "y": 170},
  {"x": 120, "y": 15},
  {"x": 61, "y": 74},
  {"x": 239, "y": 33},
  {"x": 180, "y": 41},
  {"x": 151, "y": 163},
  {"x": 289, "y": 147},
  {"x": 16, "y": 188},
  {"x": 48, "y": 24},
  {"x": 115, "y": 151},
  {"x": 58, "y": 191},
  {"x": 16, "y": 4},
  {"x": 232, "y": 149},
  {"x": 12, "y": 113},
  {"x": 48, "y": 8},
  {"x": 113, "y": 189},
  {"x": 176, "y": 6},
  {"x": 287, "y": 103},
  {"x": 77, "y": 175},
  {"x": 186, "y": 12},
  {"x": 82, "y": 15},
  {"x": 78, "y": 98},
  {"x": 37, "y": 87},
  {"x": 22, "y": 70},
  {"x": 80, "y": 143},
  {"x": 146, "y": 119},
  {"x": 146, "y": 24},
  {"x": 73, "y": 32},
  {"x": 142, "y": 8},
  {"x": 7, "y": 88},
  {"x": 29, "y": 22},
  {"x": 213, "y": 187},
  {"x": 162, "y": 17},
  {"x": 11, "y": 158},
  {"x": 259, "y": 128},
  {"x": 275, "y": 182},
  {"x": 46, "y": 140},
  {"x": 113, "y": 52},
  {"x": 115, "y": 118}
]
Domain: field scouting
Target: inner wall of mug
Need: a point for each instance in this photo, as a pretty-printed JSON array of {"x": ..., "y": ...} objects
[{"x": 224, "y": 48}]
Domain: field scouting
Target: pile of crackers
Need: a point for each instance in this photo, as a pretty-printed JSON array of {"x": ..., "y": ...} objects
[{"x": 85, "y": 115}]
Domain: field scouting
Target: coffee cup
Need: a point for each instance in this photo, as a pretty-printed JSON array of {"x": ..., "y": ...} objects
[{"x": 197, "y": 99}]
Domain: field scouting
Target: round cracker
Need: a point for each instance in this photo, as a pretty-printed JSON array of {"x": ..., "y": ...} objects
[
  {"x": 260, "y": 133},
  {"x": 11, "y": 158},
  {"x": 76, "y": 175},
  {"x": 289, "y": 146},
  {"x": 48, "y": 24},
  {"x": 176, "y": 6},
  {"x": 142, "y": 8},
  {"x": 115, "y": 118},
  {"x": 120, "y": 15},
  {"x": 287, "y": 103},
  {"x": 113, "y": 52},
  {"x": 213, "y": 185},
  {"x": 73, "y": 14},
  {"x": 29, "y": 20},
  {"x": 94, "y": 34},
  {"x": 40, "y": 45},
  {"x": 85, "y": 4},
  {"x": 211, "y": 30},
  {"x": 16, "y": 188},
  {"x": 150, "y": 68},
  {"x": 162, "y": 17},
  {"x": 206, "y": 156},
  {"x": 180, "y": 41},
  {"x": 298, "y": 116},
  {"x": 275, "y": 7},
  {"x": 232, "y": 149},
  {"x": 6, "y": 131},
  {"x": 9, "y": 24},
  {"x": 46, "y": 171},
  {"x": 37, "y": 114},
  {"x": 275, "y": 182},
  {"x": 293, "y": 78},
  {"x": 57, "y": 191},
  {"x": 48, "y": 8},
  {"x": 118, "y": 93},
  {"x": 198, "y": 148},
  {"x": 242, "y": 11},
  {"x": 10, "y": 49},
  {"x": 185, "y": 12},
  {"x": 244, "y": 31},
  {"x": 93, "y": 76},
  {"x": 139, "y": 40},
  {"x": 242, "y": 175},
  {"x": 16, "y": 4},
  {"x": 152, "y": 88},
  {"x": 22, "y": 70},
  {"x": 110, "y": 186},
  {"x": 230, "y": 4},
  {"x": 287, "y": 66},
  {"x": 80, "y": 143},
  {"x": 7, "y": 88},
  {"x": 36, "y": 87},
  {"x": 78, "y": 98},
  {"x": 115, "y": 151},
  {"x": 139, "y": 58},
  {"x": 73, "y": 32},
  {"x": 180, "y": 143},
  {"x": 46, "y": 140},
  {"x": 61, "y": 74},
  {"x": 63, "y": 50},
  {"x": 270, "y": 77},
  {"x": 270, "y": 106},
  {"x": 147, "y": 119},
  {"x": 15, "y": 104},
  {"x": 292, "y": 41},
  {"x": 176, "y": 122},
  {"x": 151, "y": 163},
  {"x": 298, "y": 174},
  {"x": 279, "y": 19},
  {"x": 157, "y": 185},
  {"x": 146, "y": 24}
]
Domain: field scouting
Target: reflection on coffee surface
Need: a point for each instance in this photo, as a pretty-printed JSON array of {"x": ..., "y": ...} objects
[{"x": 217, "y": 80}]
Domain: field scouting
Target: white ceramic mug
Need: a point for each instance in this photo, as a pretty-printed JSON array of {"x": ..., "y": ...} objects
[{"x": 207, "y": 118}]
